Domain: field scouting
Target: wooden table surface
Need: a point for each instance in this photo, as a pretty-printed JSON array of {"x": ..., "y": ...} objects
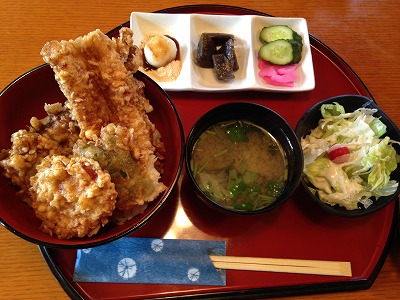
[{"x": 364, "y": 33}]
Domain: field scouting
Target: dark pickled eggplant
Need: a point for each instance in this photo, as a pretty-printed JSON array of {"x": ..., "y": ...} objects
[
  {"x": 223, "y": 68},
  {"x": 228, "y": 49},
  {"x": 220, "y": 38},
  {"x": 211, "y": 44},
  {"x": 205, "y": 51}
]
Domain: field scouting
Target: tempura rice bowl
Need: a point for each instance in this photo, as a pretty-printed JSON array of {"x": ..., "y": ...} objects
[{"x": 25, "y": 98}]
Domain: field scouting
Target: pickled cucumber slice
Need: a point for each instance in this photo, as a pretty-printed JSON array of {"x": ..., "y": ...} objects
[
  {"x": 281, "y": 52},
  {"x": 279, "y": 32}
]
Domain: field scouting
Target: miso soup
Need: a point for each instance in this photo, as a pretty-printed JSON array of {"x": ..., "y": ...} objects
[{"x": 239, "y": 165}]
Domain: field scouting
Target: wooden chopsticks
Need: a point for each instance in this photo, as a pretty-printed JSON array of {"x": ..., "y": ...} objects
[{"x": 319, "y": 267}]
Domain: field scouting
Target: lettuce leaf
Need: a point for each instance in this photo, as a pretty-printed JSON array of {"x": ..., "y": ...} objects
[
  {"x": 381, "y": 159},
  {"x": 335, "y": 109},
  {"x": 333, "y": 184}
]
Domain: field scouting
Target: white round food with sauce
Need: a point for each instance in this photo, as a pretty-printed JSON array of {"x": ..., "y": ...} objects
[{"x": 159, "y": 51}]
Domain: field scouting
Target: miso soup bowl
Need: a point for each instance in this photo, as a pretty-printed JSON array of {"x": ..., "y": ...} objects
[{"x": 262, "y": 117}]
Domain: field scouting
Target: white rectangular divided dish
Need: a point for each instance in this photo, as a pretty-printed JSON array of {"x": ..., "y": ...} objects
[{"x": 186, "y": 29}]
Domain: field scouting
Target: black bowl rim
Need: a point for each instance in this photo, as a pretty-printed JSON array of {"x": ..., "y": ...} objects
[
  {"x": 134, "y": 226},
  {"x": 336, "y": 210},
  {"x": 292, "y": 139}
]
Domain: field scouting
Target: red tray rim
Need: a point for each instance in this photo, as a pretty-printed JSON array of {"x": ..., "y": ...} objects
[{"x": 338, "y": 286}]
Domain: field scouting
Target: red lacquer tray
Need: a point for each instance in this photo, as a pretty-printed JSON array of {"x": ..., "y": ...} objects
[{"x": 297, "y": 229}]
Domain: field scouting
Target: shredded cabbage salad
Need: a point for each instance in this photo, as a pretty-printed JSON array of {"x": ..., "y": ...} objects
[{"x": 367, "y": 171}]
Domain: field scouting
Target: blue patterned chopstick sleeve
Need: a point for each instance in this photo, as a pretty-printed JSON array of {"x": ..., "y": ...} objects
[{"x": 146, "y": 260}]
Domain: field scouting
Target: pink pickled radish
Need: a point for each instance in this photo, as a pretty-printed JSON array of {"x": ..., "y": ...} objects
[{"x": 277, "y": 75}]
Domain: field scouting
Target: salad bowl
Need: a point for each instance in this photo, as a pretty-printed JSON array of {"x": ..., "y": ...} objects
[{"x": 355, "y": 176}]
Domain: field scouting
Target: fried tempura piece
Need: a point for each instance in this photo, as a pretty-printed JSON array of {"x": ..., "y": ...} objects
[
  {"x": 99, "y": 87},
  {"x": 56, "y": 134},
  {"x": 57, "y": 126},
  {"x": 131, "y": 56},
  {"x": 28, "y": 150},
  {"x": 95, "y": 74},
  {"x": 73, "y": 197},
  {"x": 136, "y": 183}
]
